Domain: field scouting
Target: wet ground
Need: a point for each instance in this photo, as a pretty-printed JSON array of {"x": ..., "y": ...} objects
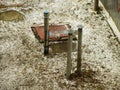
[{"x": 24, "y": 67}]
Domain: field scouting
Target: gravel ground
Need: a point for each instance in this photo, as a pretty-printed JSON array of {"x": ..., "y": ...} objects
[{"x": 24, "y": 67}]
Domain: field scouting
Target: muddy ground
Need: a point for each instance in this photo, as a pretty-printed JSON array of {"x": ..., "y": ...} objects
[{"x": 23, "y": 65}]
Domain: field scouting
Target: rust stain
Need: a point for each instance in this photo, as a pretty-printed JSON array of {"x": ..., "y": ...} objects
[{"x": 56, "y": 32}]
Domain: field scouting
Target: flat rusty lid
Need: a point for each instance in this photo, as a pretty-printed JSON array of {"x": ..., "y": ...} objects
[{"x": 56, "y": 32}]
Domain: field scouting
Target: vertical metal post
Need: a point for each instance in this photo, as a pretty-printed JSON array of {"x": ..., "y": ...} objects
[
  {"x": 79, "y": 56},
  {"x": 46, "y": 32},
  {"x": 96, "y": 5},
  {"x": 69, "y": 60}
]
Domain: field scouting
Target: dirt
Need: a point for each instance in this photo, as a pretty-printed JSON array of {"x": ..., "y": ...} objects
[{"x": 24, "y": 67}]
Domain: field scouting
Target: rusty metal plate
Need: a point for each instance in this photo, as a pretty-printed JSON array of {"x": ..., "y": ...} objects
[{"x": 56, "y": 32}]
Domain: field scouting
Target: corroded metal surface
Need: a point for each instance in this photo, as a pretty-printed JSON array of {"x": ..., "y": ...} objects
[{"x": 56, "y": 32}]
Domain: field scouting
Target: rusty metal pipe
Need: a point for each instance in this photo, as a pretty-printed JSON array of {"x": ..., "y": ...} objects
[
  {"x": 46, "y": 32},
  {"x": 69, "y": 53},
  {"x": 79, "y": 54},
  {"x": 96, "y": 5}
]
